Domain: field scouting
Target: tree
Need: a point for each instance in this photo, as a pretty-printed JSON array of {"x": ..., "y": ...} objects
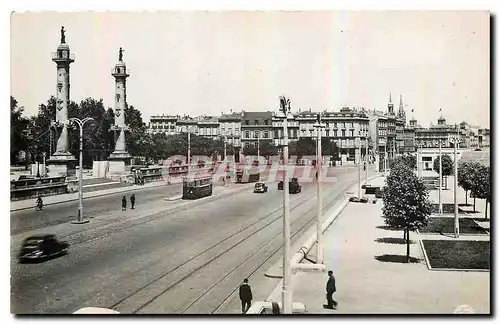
[
  {"x": 447, "y": 167},
  {"x": 267, "y": 148},
  {"x": 18, "y": 130},
  {"x": 406, "y": 202},
  {"x": 481, "y": 185},
  {"x": 43, "y": 136},
  {"x": 465, "y": 177},
  {"x": 409, "y": 160},
  {"x": 97, "y": 138},
  {"x": 133, "y": 119},
  {"x": 329, "y": 147},
  {"x": 305, "y": 146}
]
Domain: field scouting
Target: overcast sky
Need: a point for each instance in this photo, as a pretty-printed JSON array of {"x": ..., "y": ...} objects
[{"x": 208, "y": 62}]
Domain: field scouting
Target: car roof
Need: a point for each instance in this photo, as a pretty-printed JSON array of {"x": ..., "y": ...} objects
[
  {"x": 95, "y": 310},
  {"x": 40, "y": 236}
]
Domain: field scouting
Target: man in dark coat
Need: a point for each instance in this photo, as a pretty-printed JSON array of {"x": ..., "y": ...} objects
[
  {"x": 132, "y": 200},
  {"x": 245, "y": 296},
  {"x": 330, "y": 289},
  {"x": 124, "y": 203}
]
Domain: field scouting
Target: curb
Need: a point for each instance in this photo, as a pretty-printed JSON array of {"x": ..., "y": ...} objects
[
  {"x": 302, "y": 252},
  {"x": 89, "y": 195}
]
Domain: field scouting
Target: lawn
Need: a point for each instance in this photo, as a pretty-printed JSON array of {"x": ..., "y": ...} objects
[
  {"x": 446, "y": 225},
  {"x": 448, "y": 254}
]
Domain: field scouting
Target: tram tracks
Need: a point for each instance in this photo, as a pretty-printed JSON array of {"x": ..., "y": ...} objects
[{"x": 175, "y": 276}]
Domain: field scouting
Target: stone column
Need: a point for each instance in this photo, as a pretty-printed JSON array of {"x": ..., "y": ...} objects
[
  {"x": 120, "y": 158},
  {"x": 62, "y": 162}
]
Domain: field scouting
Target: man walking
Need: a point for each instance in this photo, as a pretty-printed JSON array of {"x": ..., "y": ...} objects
[
  {"x": 330, "y": 289},
  {"x": 124, "y": 203},
  {"x": 245, "y": 296},
  {"x": 132, "y": 200}
]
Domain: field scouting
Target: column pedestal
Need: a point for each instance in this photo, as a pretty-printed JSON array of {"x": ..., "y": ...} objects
[
  {"x": 62, "y": 164},
  {"x": 119, "y": 167}
]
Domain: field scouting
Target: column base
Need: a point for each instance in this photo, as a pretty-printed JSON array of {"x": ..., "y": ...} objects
[
  {"x": 61, "y": 164},
  {"x": 80, "y": 222}
]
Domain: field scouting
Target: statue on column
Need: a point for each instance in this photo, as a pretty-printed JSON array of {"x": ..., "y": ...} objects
[
  {"x": 63, "y": 37},
  {"x": 120, "y": 54}
]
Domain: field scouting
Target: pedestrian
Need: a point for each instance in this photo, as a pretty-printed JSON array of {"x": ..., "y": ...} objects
[
  {"x": 132, "y": 200},
  {"x": 330, "y": 289},
  {"x": 39, "y": 203},
  {"x": 124, "y": 203},
  {"x": 245, "y": 296}
]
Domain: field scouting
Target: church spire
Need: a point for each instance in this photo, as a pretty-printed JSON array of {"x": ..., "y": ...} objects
[
  {"x": 401, "y": 112},
  {"x": 390, "y": 105}
]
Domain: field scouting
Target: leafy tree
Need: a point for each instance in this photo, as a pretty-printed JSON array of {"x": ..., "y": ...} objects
[
  {"x": 267, "y": 148},
  {"x": 447, "y": 167},
  {"x": 97, "y": 139},
  {"x": 137, "y": 132},
  {"x": 305, "y": 146},
  {"x": 329, "y": 147},
  {"x": 465, "y": 177},
  {"x": 481, "y": 184},
  {"x": 250, "y": 149},
  {"x": 406, "y": 202},
  {"x": 41, "y": 131},
  {"x": 18, "y": 130},
  {"x": 408, "y": 160}
]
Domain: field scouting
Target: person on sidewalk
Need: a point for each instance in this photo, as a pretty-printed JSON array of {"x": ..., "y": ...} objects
[
  {"x": 245, "y": 296},
  {"x": 330, "y": 289},
  {"x": 124, "y": 203},
  {"x": 132, "y": 201}
]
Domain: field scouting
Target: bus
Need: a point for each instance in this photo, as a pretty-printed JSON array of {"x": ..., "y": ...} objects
[{"x": 197, "y": 187}]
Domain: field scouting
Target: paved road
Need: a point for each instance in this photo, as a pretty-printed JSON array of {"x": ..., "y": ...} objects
[
  {"x": 187, "y": 257},
  {"x": 29, "y": 219}
]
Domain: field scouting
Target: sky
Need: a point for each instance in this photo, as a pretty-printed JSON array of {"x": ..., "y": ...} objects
[{"x": 198, "y": 62}]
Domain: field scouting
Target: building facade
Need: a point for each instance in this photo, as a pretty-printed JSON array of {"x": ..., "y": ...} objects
[{"x": 256, "y": 126}]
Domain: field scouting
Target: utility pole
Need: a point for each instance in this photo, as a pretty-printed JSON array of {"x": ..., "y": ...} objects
[
  {"x": 80, "y": 123},
  {"x": 286, "y": 292},
  {"x": 385, "y": 156}
]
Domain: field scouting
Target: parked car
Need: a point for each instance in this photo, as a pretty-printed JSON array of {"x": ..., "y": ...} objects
[
  {"x": 260, "y": 187},
  {"x": 358, "y": 200},
  {"x": 42, "y": 247},
  {"x": 379, "y": 193}
]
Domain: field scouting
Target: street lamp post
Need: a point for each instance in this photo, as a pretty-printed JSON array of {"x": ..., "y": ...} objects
[
  {"x": 440, "y": 179},
  {"x": 385, "y": 157},
  {"x": 457, "y": 224},
  {"x": 286, "y": 293},
  {"x": 366, "y": 161},
  {"x": 359, "y": 168},
  {"x": 44, "y": 166},
  {"x": 80, "y": 123},
  {"x": 258, "y": 144},
  {"x": 319, "y": 159}
]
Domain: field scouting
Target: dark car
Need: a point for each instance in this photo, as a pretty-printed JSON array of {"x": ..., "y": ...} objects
[
  {"x": 41, "y": 247},
  {"x": 260, "y": 188},
  {"x": 294, "y": 186},
  {"x": 379, "y": 193}
]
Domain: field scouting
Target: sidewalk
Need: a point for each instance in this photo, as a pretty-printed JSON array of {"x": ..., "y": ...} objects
[
  {"x": 56, "y": 199},
  {"x": 366, "y": 285}
]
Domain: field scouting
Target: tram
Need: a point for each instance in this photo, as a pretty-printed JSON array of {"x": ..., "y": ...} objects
[
  {"x": 197, "y": 187},
  {"x": 247, "y": 175}
]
